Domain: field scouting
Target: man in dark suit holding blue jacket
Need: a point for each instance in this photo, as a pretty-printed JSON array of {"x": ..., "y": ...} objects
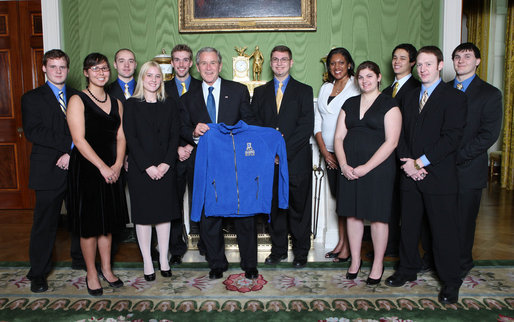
[
  {"x": 218, "y": 101},
  {"x": 44, "y": 124},
  {"x": 433, "y": 123}
]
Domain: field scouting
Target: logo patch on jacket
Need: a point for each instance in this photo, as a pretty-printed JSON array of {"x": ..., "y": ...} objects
[{"x": 250, "y": 152}]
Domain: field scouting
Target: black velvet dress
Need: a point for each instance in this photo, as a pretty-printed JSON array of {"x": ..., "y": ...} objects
[
  {"x": 369, "y": 197},
  {"x": 94, "y": 207}
]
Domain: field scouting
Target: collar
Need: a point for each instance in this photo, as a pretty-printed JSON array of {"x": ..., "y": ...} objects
[
  {"x": 465, "y": 83},
  {"x": 217, "y": 84},
  {"x": 131, "y": 84},
  {"x": 179, "y": 84},
  {"x": 284, "y": 83},
  {"x": 56, "y": 90},
  {"x": 429, "y": 89},
  {"x": 401, "y": 81},
  {"x": 240, "y": 126}
]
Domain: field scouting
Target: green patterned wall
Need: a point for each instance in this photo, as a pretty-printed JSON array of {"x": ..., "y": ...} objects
[{"x": 369, "y": 29}]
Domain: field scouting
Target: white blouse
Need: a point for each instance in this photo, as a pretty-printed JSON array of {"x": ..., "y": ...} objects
[{"x": 325, "y": 115}]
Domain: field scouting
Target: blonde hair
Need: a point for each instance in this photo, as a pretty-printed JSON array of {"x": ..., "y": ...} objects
[{"x": 139, "y": 91}]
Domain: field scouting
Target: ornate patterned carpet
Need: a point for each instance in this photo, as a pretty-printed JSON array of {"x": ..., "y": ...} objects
[{"x": 316, "y": 293}]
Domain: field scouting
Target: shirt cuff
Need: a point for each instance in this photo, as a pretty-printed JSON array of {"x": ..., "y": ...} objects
[{"x": 425, "y": 161}]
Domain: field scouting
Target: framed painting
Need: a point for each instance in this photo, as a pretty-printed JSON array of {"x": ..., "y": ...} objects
[{"x": 246, "y": 15}]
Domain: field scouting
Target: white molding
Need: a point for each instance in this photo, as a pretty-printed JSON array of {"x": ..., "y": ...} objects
[
  {"x": 452, "y": 22},
  {"x": 51, "y": 14}
]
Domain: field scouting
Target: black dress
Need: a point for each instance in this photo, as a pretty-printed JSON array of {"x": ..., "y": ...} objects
[
  {"x": 369, "y": 197},
  {"x": 152, "y": 133},
  {"x": 96, "y": 208}
]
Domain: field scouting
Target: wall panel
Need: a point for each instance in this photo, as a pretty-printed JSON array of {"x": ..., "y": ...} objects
[{"x": 368, "y": 28}]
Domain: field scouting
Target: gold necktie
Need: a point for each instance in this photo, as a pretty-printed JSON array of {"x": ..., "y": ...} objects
[
  {"x": 184, "y": 89},
  {"x": 459, "y": 86},
  {"x": 62, "y": 103},
  {"x": 126, "y": 92},
  {"x": 395, "y": 88},
  {"x": 423, "y": 101},
  {"x": 280, "y": 94}
]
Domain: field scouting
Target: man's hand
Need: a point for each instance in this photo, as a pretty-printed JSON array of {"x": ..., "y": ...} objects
[
  {"x": 184, "y": 152},
  {"x": 200, "y": 129}
]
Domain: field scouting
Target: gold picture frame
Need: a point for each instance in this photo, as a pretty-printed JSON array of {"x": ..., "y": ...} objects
[{"x": 246, "y": 15}]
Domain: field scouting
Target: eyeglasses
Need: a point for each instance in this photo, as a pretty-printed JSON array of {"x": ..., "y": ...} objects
[
  {"x": 283, "y": 60},
  {"x": 96, "y": 69}
]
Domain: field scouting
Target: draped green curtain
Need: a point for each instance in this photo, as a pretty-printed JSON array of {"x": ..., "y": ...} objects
[
  {"x": 478, "y": 19},
  {"x": 507, "y": 178}
]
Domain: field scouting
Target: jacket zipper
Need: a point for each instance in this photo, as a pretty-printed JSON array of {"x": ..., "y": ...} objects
[
  {"x": 235, "y": 166},
  {"x": 257, "y": 195},
  {"x": 215, "y": 192}
]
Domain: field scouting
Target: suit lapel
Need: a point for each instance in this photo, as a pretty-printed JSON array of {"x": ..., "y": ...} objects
[{"x": 52, "y": 101}]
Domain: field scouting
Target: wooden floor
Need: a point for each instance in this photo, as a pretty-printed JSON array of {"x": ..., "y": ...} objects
[{"x": 494, "y": 238}]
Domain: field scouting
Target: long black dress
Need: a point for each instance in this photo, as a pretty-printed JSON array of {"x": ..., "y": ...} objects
[
  {"x": 96, "y": 208},
  {"x": 152, "y": 133},
  {"x": 369, "y": 197}
]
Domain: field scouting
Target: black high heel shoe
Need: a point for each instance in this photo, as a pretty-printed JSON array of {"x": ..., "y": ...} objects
[
  {"x": 97, "y": 292},
  {"x": 116, "y": 284},
  {"x": 374, "y": 281},
  {"x": 352, "y": 276},
  {"x": 149, "y": 277},
  {"x": 166, "y": 273}
]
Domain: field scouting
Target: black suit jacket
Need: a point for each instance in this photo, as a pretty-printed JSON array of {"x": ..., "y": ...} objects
[
  {"x": 45, "y": 126},
  {"x": 437, "y": 133},
  {"x": 114, "y": 89},
  {"x": 483, "y": 126},
  {"x": 295, "y": 120},
  {"x": 410, "y": 84},
  {"x": 171, "y": 90},
  {"x": 234, "y": 105}
]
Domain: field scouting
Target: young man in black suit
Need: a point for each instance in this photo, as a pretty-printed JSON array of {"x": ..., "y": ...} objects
[
  {"x": 182, "y": 61},
  {"x": 403, "y": 61},
  {"x": 231, "y": 103},
  {"x": 44, "y": 124},
  {"x": 287, "y": 105},
  {"x": 125, "y": 64},
  {"x": 433, "y": 123},
  {"x": 483, "y": 126}
]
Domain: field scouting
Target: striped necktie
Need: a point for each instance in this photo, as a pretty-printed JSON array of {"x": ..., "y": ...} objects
[
  {"x": 62, "y": 103},
  {"x": 423, "y": 101},
  {"x": 280, "y": 94},
  {"x": 126, "y": 92},
  {"x": 395, "y": 88},
  {"x": 184, "y": 89},
  {"x": 459, "y": 86}
]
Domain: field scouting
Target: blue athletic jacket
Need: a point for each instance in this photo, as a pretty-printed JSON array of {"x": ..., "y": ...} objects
[{"x": 234, "y": 171}]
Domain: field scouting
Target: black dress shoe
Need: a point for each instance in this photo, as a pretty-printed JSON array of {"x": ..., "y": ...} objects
[
  {"x": 341, "y": 260},
  {"x": 251, "y": 273},
  {"x": 273, "y": 260},
  {"x": 375, "y": 281},
  {"x": 97, "y": 292},
  {"x": 38, "y": 284},
  {"x": 299, "y": 263},
  {"x": 398, "y": 279},
  {"x": 331, "y": 254},
  {"x": 166, "y": 273},
  {"x": 215, "y": 274},
  {"x": 149, "y": 277},
  {"x": 116, "y": 284},
  {"x": 176, "y": 260},
  {"x": 352, "y": 276},
  {"x": 449, "y": 295}
]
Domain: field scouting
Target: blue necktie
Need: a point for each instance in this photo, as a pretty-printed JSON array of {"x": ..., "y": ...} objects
[{"x": 211, "y": 105}]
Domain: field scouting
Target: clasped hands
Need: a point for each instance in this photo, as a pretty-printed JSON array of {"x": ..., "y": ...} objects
[
  {"x": 184, "y": 152},
  {"x": 411, "y": 171},
  {"x": 157, "y": 172},
  {"x": 353, "y": 173},
  {"x": 111, "y": 174}
]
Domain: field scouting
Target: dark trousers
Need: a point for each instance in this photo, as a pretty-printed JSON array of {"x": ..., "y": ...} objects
[
  {"x": 441, "y": 211},
  {"x": 44, "y": 230},
  {"x": 393, "y": 238},
  {"x": 469, "y": 205},
  {"x": 296, "y": 220},
  {"x": 212, "y": 235},
  {"x": 184, "y": 174}
]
